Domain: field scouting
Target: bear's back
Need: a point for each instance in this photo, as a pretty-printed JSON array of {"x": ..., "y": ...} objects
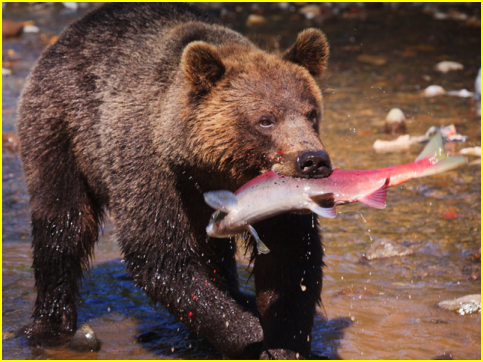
[{"x": 102, "y": 83}]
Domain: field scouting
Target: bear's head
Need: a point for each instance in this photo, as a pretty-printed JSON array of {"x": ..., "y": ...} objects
[{"x": 253, "y": 111}]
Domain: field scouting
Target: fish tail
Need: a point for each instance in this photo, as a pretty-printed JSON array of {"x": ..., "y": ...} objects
[
  {"x": 440, "y": 161},
  {"x": 221, "y": 200}
]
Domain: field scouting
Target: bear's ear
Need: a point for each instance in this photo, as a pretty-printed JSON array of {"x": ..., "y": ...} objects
[
  {"x": 311, "y": 50},
  {"x": 202, "y": 66}
]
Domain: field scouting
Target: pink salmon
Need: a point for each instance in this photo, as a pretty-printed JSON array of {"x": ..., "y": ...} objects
[{"x": 271, "y": 194}]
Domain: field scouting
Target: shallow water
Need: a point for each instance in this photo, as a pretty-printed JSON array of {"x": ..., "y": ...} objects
[{"x": 382, "y": 309}]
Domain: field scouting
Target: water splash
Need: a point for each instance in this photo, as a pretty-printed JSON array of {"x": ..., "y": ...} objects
[{"x": 356, "y": 212}]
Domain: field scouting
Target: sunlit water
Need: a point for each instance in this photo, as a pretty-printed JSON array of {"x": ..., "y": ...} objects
[{"x": 376, "y": 310}]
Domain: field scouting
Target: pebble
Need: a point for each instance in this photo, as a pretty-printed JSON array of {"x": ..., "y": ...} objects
[
  {"x": 395, "y": 122},
  {"x": 8, "y": 335},
  {"x": 10, "y": 142},
  {"x": 31, "y": 29},
  {"x": 433, "y": 91},
  {"x": 385, "y": 248},
  {"x": 371, "y": 59},
  {"x": 471, "y": 151},
  {"x": 84, "y": 340},
  {"x": 465, "y": 305},
  {"x": 447, "y": 66},
  {"x": 256, "y": 20},
  {"x": 478, "y": 85},
  {"x": 11, "y": 28},
  {"x": 478, "y": 93},
  {"x": 310, "y": 11},
  {"x": 71, "y": 5},
  {"x": 463, "y": 93},
  {"x": 399, "y": 144}
]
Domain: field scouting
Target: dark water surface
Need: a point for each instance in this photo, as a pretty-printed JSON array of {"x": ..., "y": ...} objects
[{"x": 383, "y": 309}]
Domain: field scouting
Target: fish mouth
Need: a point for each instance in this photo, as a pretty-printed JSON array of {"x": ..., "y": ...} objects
[{"x": 213, "y": 226}]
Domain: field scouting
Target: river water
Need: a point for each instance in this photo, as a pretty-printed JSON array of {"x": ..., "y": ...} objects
[{"x": 380, "y": 309}]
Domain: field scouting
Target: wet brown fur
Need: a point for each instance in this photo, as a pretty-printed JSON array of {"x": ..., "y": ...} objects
[{"x": 140, "y": 108}]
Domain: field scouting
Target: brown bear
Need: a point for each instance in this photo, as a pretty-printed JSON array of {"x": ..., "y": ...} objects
[{"x": 140, "y": 108}]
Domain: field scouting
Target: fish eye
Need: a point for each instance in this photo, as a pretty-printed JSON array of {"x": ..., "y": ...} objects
[
  {"x": 218, "y": 216},
  {"x": 265, "y": 122}
]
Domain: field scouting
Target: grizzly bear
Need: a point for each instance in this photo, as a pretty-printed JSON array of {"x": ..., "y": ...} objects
[{"x": 137, "y": 110}]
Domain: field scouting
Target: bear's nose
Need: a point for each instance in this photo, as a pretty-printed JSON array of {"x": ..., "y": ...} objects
[{"x": 313, "y": 164}]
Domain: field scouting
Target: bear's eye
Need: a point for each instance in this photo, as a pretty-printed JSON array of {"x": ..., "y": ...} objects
[
  {"x": 265, "y": 122},
  {"x": 313, "y": 116}
]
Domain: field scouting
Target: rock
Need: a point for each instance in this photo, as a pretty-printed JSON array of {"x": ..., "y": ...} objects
[
  {"x": 10, "y": 142},
  {"x": 445, "y": 356},
  {"x": 310, "y": 11},
  {"x": 478, "y": 93},
  {"x": 440, "y": 16},
  {"x": 395, "y": 122},
  {"x": 446, "y": 66},
  {"x": 433, "y": 91},
  {"x": 31, "y": 29},
  {"x": 399, "y": 144},
  {"x": 256, "y": 20},
  {"x": 478, "y": 85},
  {"x": 385, "y": 248},
  {"x": 450, "y": 215},
  {"x": 84, "y": 340},
  {"x": 465, "y": 305},
  {"x": 471, "y": 151},
  {"x": 6, "y": 71},
  {"x": 395, "y": 115},
  {"x": 71, "y": 5},
  {"x": 457, "y": 15},
  {"x": 475, "y": 257},
  {"x": 463, "y": 93},
  {"x": 11, "y": 28},
  {"x": 371, "y": 59},
  {"x": 7, "y": 335}
]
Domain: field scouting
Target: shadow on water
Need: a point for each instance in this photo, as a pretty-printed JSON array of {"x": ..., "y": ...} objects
[{"x": 129, "y": 326}]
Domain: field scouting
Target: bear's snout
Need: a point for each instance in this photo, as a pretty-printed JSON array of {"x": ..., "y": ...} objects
[{"x": 313, "y": 164}]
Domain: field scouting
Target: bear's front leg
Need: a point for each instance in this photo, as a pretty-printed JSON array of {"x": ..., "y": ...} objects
[
  {"x": 171, "y": 258},
  {"x": 288, "y": 282}
]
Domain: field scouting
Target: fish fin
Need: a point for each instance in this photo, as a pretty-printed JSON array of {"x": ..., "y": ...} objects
[
  {"x": 434, "y": 149},
  {"x": 323, "y": 200},
  {"x": 261, "y": 247},
  {"x": 325, "y": 212},
  {"x": 324, "y": 205},
  {"x": 446, "y": 165},
  {"x": 221, "y": 200},
  {"x": 376, "y": 199}
]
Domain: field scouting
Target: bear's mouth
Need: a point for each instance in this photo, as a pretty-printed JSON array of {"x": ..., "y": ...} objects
[{"x": 287, "y": 169}]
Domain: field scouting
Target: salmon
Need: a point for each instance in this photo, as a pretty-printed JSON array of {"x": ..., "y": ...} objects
[{"x": 271, "y": 194}]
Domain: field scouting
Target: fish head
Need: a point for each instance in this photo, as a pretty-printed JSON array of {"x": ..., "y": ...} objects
[{"x": 216, "y": 226}]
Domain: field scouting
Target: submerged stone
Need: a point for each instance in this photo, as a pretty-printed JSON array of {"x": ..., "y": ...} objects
[
  {"x": 386, "y": 249},
  {"x": 85, "y": 340},
  {"x": 465, "y": 305}
]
